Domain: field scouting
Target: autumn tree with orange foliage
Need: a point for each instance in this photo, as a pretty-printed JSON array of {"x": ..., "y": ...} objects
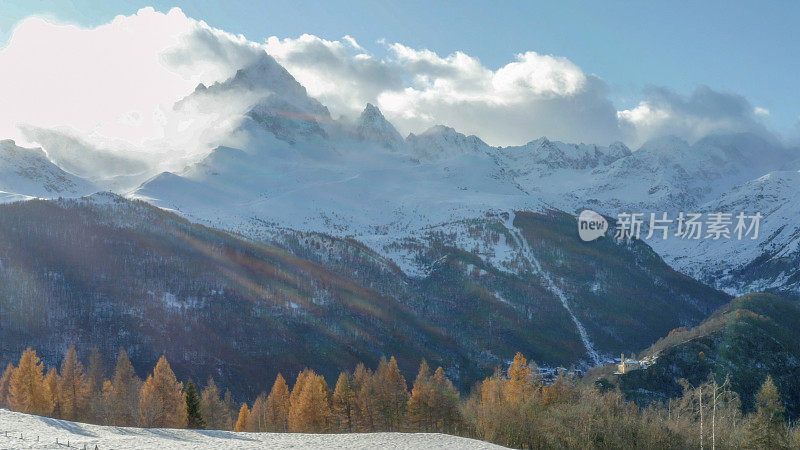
[
  {"x": 309, "y": 407},
  {"x": 161, "y": 403},
  {"x": 278, "y": 406},
  {"x": 28, "y": 392}
]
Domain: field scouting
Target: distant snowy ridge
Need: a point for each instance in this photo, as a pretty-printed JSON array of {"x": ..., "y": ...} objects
[{"x": 28, "y": 173}]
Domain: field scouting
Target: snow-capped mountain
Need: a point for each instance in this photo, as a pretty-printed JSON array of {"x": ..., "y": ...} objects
[
  {"x": 289, "y": 165},
  {"x": 441, "y": 142},
  {"x": 767, "y": 263},
  {"x": 284, "y": 167},
  {"x": 28, "y": 173},
  {"x": 372, "y": 126}
]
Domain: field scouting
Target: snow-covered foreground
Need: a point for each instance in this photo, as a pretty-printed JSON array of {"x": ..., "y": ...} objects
[{"x": 19, "y": 430}]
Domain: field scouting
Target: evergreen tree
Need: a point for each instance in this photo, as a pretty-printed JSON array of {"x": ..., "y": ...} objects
[
  {"x": 122, "y": 394},
  {"x": 73, "y": 390},
  {"x": 161, "y": 403},
  {"x": 343, "y": 402},
  {"x": 28, "y": 392},
  {"x": 216, "y": 414},
  {"x": 194, "y": 415},
  {"x": 766, "y": 428},
  {"x": 309, "y": 409},
  {"x": 5, "y": 384},
  {"x": 241, "y": 421},
  {"x": 278, "y": 406}
]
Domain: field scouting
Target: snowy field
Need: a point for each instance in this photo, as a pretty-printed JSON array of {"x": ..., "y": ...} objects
[{"x": 19, "y": 430}]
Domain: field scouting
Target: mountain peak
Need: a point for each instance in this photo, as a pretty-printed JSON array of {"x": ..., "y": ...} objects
[
  {"x": 440, "y": 141},
  {"x": 373, "y": 126}
]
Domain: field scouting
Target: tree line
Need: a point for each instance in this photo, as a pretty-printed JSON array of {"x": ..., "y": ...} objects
[{"x": 513, "y": 407}]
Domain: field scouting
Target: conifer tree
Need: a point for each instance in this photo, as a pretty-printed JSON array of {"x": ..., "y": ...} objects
[
  {"x": 122, "y": 395},
  {"x": 95, "y": 377},
  {"x": 111, "y": 418},
  {"x": 299, "y": 383},
  {"x": 161, "y": 403},
  {"x": 767, "y": 428},
  {"x": 366, "y": 399},
  {"x": 194, "y": 415},
  {"x": 51, "y": 381},
  {"x": 257, "y": 420},
  {"x": 241, "y": 421},
  {"x": 73, "y": 390},
  {"x": 216, "y": 413},
  {"x": 5, "y": 383},
  {"x": 28, "y": 392},
  {"x": 278, "y": 406},
  {"x": 445, "y": 403},
  {"x": 230, "y": 408},
  {"x": 420, "y": 406},
  {"x": 95, "y": 371},
  {"x": 343, "y": 403},
  {"x": 392, "y": 394},
  {"x": 309, "y": 409},
  {"x": 522, "y": 381}
]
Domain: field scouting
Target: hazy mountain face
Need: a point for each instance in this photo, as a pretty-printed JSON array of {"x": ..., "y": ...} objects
[{"x": 108, "y": 272}]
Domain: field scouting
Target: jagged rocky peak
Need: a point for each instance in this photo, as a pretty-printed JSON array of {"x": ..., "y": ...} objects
[
  {"x": 558, "y": 154},
  {"x": 441, "y": 141},
  {"x": 373, "y": 126},
  {"x": 618, "y": 150},
  {"x": 262, "y": 78}
]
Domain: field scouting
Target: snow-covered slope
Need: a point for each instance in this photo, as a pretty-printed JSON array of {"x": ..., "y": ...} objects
[
  {"x": 287, "y": 164},
  {"x": 282, "y": 162},
  {"x": 19, "y": 430},
  {"x": 769, "y": 262},
  {"x": 27, "y": 173}
]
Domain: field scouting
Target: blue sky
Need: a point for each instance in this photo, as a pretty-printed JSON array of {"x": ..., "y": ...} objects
[{"x": 745, "y": 48}]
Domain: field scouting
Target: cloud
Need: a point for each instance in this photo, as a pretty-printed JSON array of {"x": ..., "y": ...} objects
[
  {"x": 532, "y": 96},
  {"x": 112, "y": 89},
  {"x": 704, "y": 112},
  {"x": 338, "y": 73}
]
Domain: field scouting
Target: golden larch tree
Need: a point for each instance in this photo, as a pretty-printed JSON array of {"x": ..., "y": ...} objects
[
  {"x": 28, "y": 392},
  {"x": 73, "y": 390},
  {"x": 278, "y": 406},
  {"x": 122, "y": 399},
  {"x": 343, "y": 403},
  {"x": 392, "y": 394},
  {"x": 309, "y": 409},
  {"x": 241, "y": 421},
  {"x": 161, "y": 403},
  {"x": 216, "y": 413}
]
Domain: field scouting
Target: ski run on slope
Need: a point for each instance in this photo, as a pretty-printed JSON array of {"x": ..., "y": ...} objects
[{"x": 527, "y": 252}]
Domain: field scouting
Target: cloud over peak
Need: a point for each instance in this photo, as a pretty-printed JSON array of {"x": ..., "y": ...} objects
[{"x": 118, "y": 82}]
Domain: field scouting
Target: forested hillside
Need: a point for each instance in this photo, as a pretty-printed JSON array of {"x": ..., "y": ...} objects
[{"x": 108, "y": 272}]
